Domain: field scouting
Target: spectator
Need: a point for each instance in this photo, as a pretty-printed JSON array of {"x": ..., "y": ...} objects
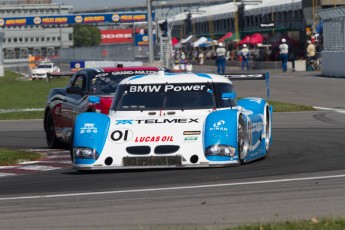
[
  {"x": 221, "y": 52},
  {"x": 201, "y": 57},
  {"x": 245, "y": 56},
  {"x": 311, "y": 51},
  {"x": 284, "y": 52}
]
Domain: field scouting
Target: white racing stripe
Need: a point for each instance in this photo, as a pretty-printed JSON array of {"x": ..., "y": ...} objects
[{"x": 174, "y": 188}]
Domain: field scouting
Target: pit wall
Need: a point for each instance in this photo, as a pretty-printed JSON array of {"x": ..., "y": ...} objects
[{"x": 333, "y": 64}]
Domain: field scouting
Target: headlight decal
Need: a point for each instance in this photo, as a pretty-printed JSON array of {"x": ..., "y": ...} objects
[
  {"x": 221, "y": 135},
  {"x": 90, "y": 134}
]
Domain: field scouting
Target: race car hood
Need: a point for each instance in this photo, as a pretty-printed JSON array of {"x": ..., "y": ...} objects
[
  {"x": 41, "y": 70},
  {"x": 157, "y": 128}
]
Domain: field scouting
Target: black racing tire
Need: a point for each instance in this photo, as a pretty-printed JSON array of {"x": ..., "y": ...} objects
[
  {"x": 268, "y": 130},
  {"x": 71, "y": 145},
  {"x": 242, "y": 140},
  {"x": 49, "y": 127}
]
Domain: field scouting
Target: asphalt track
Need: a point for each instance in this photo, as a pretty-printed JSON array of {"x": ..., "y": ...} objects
[{"x": 302, "y": 178}]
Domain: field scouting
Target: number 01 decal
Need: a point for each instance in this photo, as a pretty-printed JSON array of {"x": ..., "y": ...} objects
[{"x": 121, "y": 135}]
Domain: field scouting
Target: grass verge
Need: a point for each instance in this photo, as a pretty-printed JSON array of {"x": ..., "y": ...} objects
[
  {"x": 11, "y": 157},
  {"x": 25, "y": 94},
  {"x": 313, "y": 224}
]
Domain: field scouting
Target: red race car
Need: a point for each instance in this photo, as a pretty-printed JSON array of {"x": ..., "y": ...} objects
[{"x": 64, "y": 104}]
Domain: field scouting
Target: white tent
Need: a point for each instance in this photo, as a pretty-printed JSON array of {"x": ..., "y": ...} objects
[{"x": 199, "y": 42}]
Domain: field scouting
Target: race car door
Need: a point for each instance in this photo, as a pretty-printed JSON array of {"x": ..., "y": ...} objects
[{"x": 76, "y": 102}]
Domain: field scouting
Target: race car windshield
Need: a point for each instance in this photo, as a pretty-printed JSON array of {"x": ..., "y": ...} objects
[
  {"x": 106, "y": 83},
  {"x": 44, "y": 66},
  {"x": 165, "y": 96}
]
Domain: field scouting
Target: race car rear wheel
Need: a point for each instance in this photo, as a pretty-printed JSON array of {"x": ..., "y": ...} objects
[
  {"x": 242, "y": 140},
  {"x": 52, "y": 140}
]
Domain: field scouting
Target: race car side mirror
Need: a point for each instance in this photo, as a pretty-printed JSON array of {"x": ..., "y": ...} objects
[
  {"x": 94, "y": 99},
  {"x": 228, "y": 96},
  {"x": 231, "y": 97}
]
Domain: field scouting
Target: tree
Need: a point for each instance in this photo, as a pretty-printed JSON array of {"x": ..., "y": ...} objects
[{"x": 86, "y": 35}]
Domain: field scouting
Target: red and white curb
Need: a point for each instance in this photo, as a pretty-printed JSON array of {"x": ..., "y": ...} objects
[{"x": 54, "y": 159}]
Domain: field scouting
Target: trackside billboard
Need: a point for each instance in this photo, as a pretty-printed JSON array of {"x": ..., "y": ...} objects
[{"x": 116, "y": 36}]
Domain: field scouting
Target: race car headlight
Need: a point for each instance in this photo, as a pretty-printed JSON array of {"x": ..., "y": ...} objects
[
  {"x": 85, "y": 153},
  {"x": 220, "y": 150}
]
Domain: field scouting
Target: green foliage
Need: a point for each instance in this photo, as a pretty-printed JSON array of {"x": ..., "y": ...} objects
[
  {"x": 10, "y": 157},
  {"x": 86, "y": 35}
]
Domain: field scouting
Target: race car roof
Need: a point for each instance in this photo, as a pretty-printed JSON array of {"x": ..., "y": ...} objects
[
  {"x": 162, "y": 78},
  {"x": 127, "y": 68}
]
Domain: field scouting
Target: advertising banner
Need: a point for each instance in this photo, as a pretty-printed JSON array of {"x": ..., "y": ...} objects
[
  {"x": 72, "y": 19},
  {"x": 77, "y": 65},
  {"x": 116, "y": 36}
]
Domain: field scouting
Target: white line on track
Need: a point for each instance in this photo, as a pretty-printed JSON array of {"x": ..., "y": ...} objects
[
  {"x": 330, "y": 109},
  {"x": 174, "y": 188}
]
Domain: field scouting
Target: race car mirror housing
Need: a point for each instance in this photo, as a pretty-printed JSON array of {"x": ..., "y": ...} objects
[
  {"x": 94, "y": 99},
  {"x": 229, "y": 96}
]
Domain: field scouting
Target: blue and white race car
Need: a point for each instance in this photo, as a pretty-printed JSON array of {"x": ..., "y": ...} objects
[{"x": 173, "y": 120}]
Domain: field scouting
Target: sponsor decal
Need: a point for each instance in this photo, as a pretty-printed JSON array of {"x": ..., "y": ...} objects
[
  {"x": 78, "y": 19},
  {"x": 16, "y": 22},
  {"x": 218, "y": 126},
  {"x": 191, "y": 132},
  {"x": 2, "y": 22},
  {"x": 37, "y": 20},
  {"x": 121, "y": 135},
  {"x": 124, "y": 122},
  {"x": 157, "y": 121},
  {"x": 88, "y": 128},
  {"x": 134, "y": 72},
  {"x": 55, "y": 20},
  {"x": 256, "y": 100},
  {"x": 154, "y": 139},
  {"x": 166, "y": 88},
  {"x": 115, "y": 17},
  {"x": 190, "y": 139},
  {"x": 92, "y": 19}
]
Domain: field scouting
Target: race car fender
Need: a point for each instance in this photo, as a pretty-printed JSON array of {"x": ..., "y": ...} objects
[
  {"x": 90, "y": 131},
  {"x": 221, "y": 129}
]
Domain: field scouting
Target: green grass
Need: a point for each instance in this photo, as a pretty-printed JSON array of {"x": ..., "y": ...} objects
[
  {"x": 288, "y": 107},
  {"x": 23, "y": 94},
  {"x": 11, "y": 157},
  {"x": 313, "y": 224}
]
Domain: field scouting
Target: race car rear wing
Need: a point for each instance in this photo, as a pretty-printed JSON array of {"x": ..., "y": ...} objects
[
  {"x": 59, "y": 74},
  {"x": 252, "y": 76}
]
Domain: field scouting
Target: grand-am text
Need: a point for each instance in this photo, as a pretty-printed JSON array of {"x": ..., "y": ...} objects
[{"x": 157, "y": 121}]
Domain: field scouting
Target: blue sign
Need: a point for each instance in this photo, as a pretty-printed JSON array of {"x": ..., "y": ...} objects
[
  {"x": 71, "y": 19},
  {"x": 77, "y": 65}
]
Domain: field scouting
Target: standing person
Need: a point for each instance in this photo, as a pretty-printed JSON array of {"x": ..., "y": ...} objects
[
  {"x": 284, "y": 52},
  {"x": 311, "y": 51},
  {"x": 221, "y": 52},
  {"x": 201, "y": 57},
  {"x": 245, "y": 56}
]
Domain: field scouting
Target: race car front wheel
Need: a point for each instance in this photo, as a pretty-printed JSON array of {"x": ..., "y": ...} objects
[
  {"x": 242, "y": 140},
  {"x": 52, "y": 140}
]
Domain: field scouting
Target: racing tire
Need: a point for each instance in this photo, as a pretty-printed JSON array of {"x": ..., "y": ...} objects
[
  {"x": 71, "y": 145},
  {"x": 242, "y": 140},
  {"x": 268, "y": 129},
  {"x": 51, "y": 138}
]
